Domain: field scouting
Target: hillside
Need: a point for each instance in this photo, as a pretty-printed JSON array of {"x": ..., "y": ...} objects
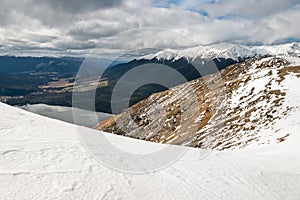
[
  {"x": 42, "y": 158},
  {"x": 255, "y": 101},
  {"x": 31, "y": 80}
]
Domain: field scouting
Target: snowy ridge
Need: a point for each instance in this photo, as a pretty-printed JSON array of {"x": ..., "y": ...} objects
[
  {"x": 41, "y": 158},
  {"x": 248, "y": 104},
  {"x": 226, "y": 50}
]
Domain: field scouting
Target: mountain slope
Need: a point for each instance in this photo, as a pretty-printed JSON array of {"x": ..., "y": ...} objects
[
  {"x": 228, "y": 51},
  {"x": 31, "y": 80},
  {"x": 247, "y": 104},
  {"x": 41, "y": 158}
]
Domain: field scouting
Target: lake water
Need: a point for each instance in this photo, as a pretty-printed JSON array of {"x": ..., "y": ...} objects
[{"x": 65, "y": 113}]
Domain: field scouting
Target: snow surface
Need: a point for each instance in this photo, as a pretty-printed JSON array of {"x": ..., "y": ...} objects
[
  {"x": 42, "y": 158},
  {"x": 227, "y": 50}
]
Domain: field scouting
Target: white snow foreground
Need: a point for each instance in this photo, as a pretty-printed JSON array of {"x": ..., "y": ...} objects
[{"x": 42, "y": 158}]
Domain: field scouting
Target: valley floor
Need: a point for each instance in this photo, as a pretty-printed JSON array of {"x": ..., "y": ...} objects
[{"x": 42, "y": 158}]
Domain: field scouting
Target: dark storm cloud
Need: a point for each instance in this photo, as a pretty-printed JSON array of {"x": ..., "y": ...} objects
[
  {"x": 52, "y": 12},
  {"x": 43, "y": 38},
  {"x": 79, "y": 5},
  {"x": 3, "y": 19},
  {"x": 94, "y": 32},
  {"x": 76, "y": 46}
]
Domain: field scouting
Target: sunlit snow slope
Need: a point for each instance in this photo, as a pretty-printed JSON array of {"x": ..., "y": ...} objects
[{"x": 42, "y": 158}]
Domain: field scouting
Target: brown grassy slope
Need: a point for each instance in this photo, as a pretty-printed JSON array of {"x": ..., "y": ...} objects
[{"x": 220, "y": 111}]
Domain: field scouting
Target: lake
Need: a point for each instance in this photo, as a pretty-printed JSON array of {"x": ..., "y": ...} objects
[{"x": 66, "y": 113}]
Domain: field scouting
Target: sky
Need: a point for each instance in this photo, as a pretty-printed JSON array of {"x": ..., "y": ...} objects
[{"x": 75, "y": 27}]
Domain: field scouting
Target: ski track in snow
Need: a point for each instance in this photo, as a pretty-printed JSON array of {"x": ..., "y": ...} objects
[{"x": 42, "y": 158}]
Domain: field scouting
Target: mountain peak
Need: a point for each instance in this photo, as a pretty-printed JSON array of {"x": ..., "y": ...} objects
[{"x": 227, "y": 50}]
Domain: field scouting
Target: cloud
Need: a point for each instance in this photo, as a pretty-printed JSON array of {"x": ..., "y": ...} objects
[
  {"x": 79, "y": 5},
  {"x": 247, "y": 8},
  {"x": 57, "y": 27},
  {"x": 278, "y": 26}
]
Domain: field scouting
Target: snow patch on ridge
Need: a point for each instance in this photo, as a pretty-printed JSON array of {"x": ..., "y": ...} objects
[{"x": 226, "y": 50}]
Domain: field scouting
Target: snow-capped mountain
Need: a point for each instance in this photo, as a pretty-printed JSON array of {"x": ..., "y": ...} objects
[
  {"x": 252, "y": 102},
  {"x": 226, "y": 50},
  {"x": 250, "y": 111},
  {"x": 42, "y": 158}
]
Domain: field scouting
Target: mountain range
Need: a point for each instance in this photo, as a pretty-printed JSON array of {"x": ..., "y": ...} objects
[
  {"x": 245, "y": 103},
  {"x": 23, "y": 82},
  {"x": 235, "y": 52}
]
